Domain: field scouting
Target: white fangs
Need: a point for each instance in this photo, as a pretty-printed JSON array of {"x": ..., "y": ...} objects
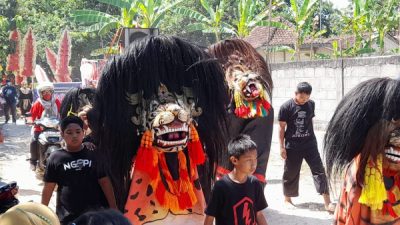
[
  {"x": 393, "y": 154},
  {"x": 166, "y": 130},
  {"x": 172, "y": 143},
  {"x": 247, "y": 88}
]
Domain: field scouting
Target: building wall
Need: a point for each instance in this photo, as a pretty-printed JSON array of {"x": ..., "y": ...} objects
[
  {"x": 280, "y": 57},
  {"x": 331, "y": 79}
]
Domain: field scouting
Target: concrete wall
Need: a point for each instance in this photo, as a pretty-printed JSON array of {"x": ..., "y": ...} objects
[{"x": 331, "y": 79}]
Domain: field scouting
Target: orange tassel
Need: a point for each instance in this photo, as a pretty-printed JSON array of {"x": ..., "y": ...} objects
[
  {"x": 177, "y": 194},
  {"x": 183, "y": 173},
  {"x": 196, "y": 152},
  {"x": 146, "y": 159},
  {"x": 160, "y": 193}
]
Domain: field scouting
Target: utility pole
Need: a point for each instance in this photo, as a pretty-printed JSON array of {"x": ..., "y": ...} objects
[{"x": 320, "y": 14}]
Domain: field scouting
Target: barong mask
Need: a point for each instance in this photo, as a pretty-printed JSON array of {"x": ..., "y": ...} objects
[
  {"x": 169, "y": 119},
  {"x": 248, "y": 85},
  {"x": 364, "y": 131},
  {"x": 392, "y": 152},
  {"x": 152, "y": 105},
  {"x": 248, "y": 78}
]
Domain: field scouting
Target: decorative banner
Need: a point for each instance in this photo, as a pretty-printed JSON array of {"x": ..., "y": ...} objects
[
  {"x": 13, "y": 58},
  {"x": 51, "y": 59},
  {"x": 28, "y": 59},
  {"x": 64, "y": 55},
  {"x": 91, "y": 71},
  {"x": 41, "y": 75}
]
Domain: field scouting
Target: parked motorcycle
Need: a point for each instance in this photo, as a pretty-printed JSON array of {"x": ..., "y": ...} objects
[
  {"x": 49, "y": 139},
  {"x": 7, "y": 195}
]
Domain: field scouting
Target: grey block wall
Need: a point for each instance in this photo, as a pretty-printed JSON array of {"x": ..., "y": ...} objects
[{"x": 331, "y": 80}]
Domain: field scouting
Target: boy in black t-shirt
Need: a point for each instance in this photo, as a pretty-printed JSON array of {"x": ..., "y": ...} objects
[
  {"x": 81, "y": 186},
  {"x": 297, "y": 142},
  {"x": 238, "y": 197}
]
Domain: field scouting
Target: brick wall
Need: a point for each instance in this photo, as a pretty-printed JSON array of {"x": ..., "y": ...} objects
[{"x": 330, "y": 79}]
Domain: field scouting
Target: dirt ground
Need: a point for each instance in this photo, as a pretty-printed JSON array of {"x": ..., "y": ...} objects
[{"x": 309, "y": 205}]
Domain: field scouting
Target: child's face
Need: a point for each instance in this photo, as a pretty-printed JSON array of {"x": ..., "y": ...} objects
[
  {"x": 246, "y": 163},
  {"x": 73, "y": 135}
]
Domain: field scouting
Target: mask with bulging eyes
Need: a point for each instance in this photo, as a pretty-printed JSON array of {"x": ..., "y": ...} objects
[
  {"x": 171, "y": 127},
  {"x": 248, "y": 84}
]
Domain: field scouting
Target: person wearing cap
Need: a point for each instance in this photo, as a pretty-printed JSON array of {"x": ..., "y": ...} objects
[
  {"x": 10, "y": 94},
  {"x": 45, "y": 106},
  {"x": 297, "y": 142},
  {"x": 29, "y": 213}
]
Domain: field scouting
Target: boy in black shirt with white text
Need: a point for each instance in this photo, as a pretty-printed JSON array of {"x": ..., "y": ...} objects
[
  {"x": 238, "y": 197},
  {"x": 82, "y": 186}
]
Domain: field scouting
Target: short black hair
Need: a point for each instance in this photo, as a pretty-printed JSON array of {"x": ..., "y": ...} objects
[
  {"x": 240, "y": 145},
  {"x": 70, "y": 119},
  {"x": 102, "y": 217},
  {"x": 304, "y": 87}
]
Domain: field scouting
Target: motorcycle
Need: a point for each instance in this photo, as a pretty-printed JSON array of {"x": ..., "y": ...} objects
[
  {"x": 7, "y": 195},
  {"x": 49, "y": 139}
]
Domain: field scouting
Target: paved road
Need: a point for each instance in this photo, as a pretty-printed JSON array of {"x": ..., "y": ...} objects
[{"x": 13, "y": 166}]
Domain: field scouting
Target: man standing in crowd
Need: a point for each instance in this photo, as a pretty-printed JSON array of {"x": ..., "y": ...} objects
[
  {"x": 297, "y": 142},
  {"x": 10, "y": 95}
]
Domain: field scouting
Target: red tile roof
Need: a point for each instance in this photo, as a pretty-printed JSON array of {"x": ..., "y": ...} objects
[{"x": 269, "y": 36}]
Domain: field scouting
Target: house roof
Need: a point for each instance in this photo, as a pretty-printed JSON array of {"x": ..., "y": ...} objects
[
  {"x": 262, "y": 36},
  {"x": 271, "y": 36}
]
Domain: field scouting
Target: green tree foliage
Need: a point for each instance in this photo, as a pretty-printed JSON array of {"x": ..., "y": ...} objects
[
  {"x": 7, "y": 22},
  {"x": 4, "y": 49},
  {"x": 300, "y": 14},
  {"x": 251, "y": 13},
  {"x": 212, "y": 22},
  {"x": 370, "y": 21},
  {"x": 331, "y": 18},
  {"x": 385, "y": 18},
  {"x": 135, "y": 13},
  {"x": 48, "y": 19}
]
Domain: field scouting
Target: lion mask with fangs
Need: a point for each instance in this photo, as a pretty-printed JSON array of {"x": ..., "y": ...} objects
[
  {"x": 159, "y": 113},
  {"x": 250, "y": 90}
]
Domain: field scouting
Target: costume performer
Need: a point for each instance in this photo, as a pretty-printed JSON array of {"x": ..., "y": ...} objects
[
  {"x": 250, "y": 87},
  {"x": 363, "y": 139},
  {"x": 79, "y": 102},
  {"x": 75, "y": 100},
  {"x": 155, "y": 107}
]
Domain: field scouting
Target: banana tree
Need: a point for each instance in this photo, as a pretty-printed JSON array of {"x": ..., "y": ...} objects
[
  {"x": 133, "y": 13},
  {"x": 102, "y": 22},
  {"x": 151, "y": 12},
  {"x": 385, "y": 19},
  {"x": 210, "y": 23},
  {"x": 247, "y": 18},
  {"x": 361, "y": 26},
  {"x": 302, "y": 21},
  {"x": 314, "y": 34}
]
